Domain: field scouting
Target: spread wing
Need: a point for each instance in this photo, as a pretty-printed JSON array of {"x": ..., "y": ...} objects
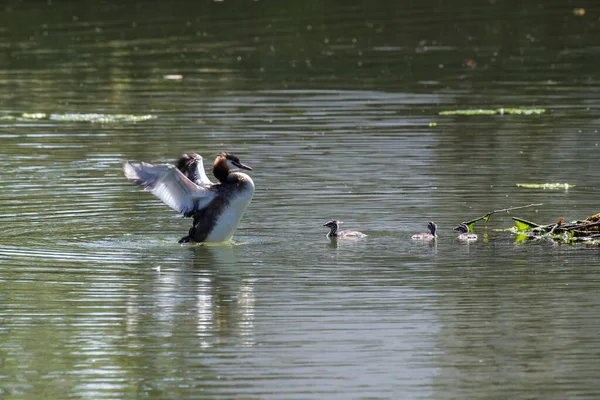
[
  {"x": 168, "y": 184},
  {"x": 201, "y": 177}
]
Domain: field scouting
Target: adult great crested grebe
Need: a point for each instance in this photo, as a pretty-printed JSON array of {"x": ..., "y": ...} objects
[
  {"x": 334, "y": 232},
  {"x": 216, "y": 208}
]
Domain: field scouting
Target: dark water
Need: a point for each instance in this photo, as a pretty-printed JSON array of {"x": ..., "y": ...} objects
[{"x": 336, "y": 107}]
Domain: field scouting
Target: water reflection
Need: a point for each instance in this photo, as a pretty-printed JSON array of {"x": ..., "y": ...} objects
[{"x": 211, "y": 297}]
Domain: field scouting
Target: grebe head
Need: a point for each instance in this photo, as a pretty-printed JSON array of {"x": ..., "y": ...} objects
[
  {"x": 230, "y": 161},
  {"x": 432, "y": 228},
  {"x": 462, "y": 228},
  {"x": 333, "y": 225},
  {"x": 225, "y": 163}
]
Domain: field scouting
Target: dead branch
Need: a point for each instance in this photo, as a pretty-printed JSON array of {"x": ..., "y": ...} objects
[{"x": 487, "y": 216}]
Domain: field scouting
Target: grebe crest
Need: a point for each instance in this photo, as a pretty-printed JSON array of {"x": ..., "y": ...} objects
[
  {"x": 216, "y": 208},
  {"x": 464, "y": 234},
  {"x": 334, "y": 231},
  {"x": 427, "y": 236}
]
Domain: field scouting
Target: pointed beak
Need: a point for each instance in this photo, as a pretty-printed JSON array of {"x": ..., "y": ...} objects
[{"x": 242, "y": 166}]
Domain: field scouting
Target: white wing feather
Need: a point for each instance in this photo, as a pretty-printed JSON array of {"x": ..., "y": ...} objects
[
  {"x": 202, "y": 177},
  {"x": 168, "y": 184}
]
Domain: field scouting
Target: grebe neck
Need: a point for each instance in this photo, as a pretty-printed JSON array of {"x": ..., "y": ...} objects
[
  {"x": 220, "y": 173},
  {"x": 334, "y": 230}
]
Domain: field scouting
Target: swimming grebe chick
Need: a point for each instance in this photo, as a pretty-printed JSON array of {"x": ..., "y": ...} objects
[
  {"x": 427, "y": 236},
  {"x": 464, "y": 235},
  {"x": 216, "y": 208},
  {"x": 334, "y": 231}
]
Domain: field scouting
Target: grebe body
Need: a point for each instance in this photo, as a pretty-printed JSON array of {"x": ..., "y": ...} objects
[
  {"x": 218, "y": 221},
  {"x": 464, "y": 234},
  {"x": 335, "y": 233},
  {"x": 427, "y": 236},
  {"x": 216, "y": 208}
]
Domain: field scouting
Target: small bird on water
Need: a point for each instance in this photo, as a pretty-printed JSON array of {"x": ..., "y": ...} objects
[
  {"x": 335, "y": 233},
  {"x": 427, "y": 236},
  {"x": 215, "y": 207},
  {"x": 464, "y": 234}
]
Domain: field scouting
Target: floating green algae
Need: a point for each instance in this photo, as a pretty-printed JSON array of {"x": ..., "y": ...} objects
[
  {"x": 80, "y": 117},
  {"x": 549, "y": 186},
  {"x": 102, "y": 118},
  {"x": 501, "y": 111},
  {"x": 33, "y": 115}
]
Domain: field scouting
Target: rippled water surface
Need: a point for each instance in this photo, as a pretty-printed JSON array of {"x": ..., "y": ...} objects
[{"x": 336, "y": 107}]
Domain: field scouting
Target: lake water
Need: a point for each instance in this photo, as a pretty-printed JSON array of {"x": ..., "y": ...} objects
[{"x": 336, "y": 107}]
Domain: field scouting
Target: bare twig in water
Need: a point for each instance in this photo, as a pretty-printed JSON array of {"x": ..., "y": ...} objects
[
  {"x": 487, "y": 216},
  {"x": 579, "y": 226}
]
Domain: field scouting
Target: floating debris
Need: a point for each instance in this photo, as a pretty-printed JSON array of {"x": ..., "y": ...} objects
[
  {"x": 77, "y": 117},
  {"x": 501, "y": 111},
  {"x": 586, "y": 231},
  {"x": 549, "y": 186},
  {"x": 471, "y": 64}
]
